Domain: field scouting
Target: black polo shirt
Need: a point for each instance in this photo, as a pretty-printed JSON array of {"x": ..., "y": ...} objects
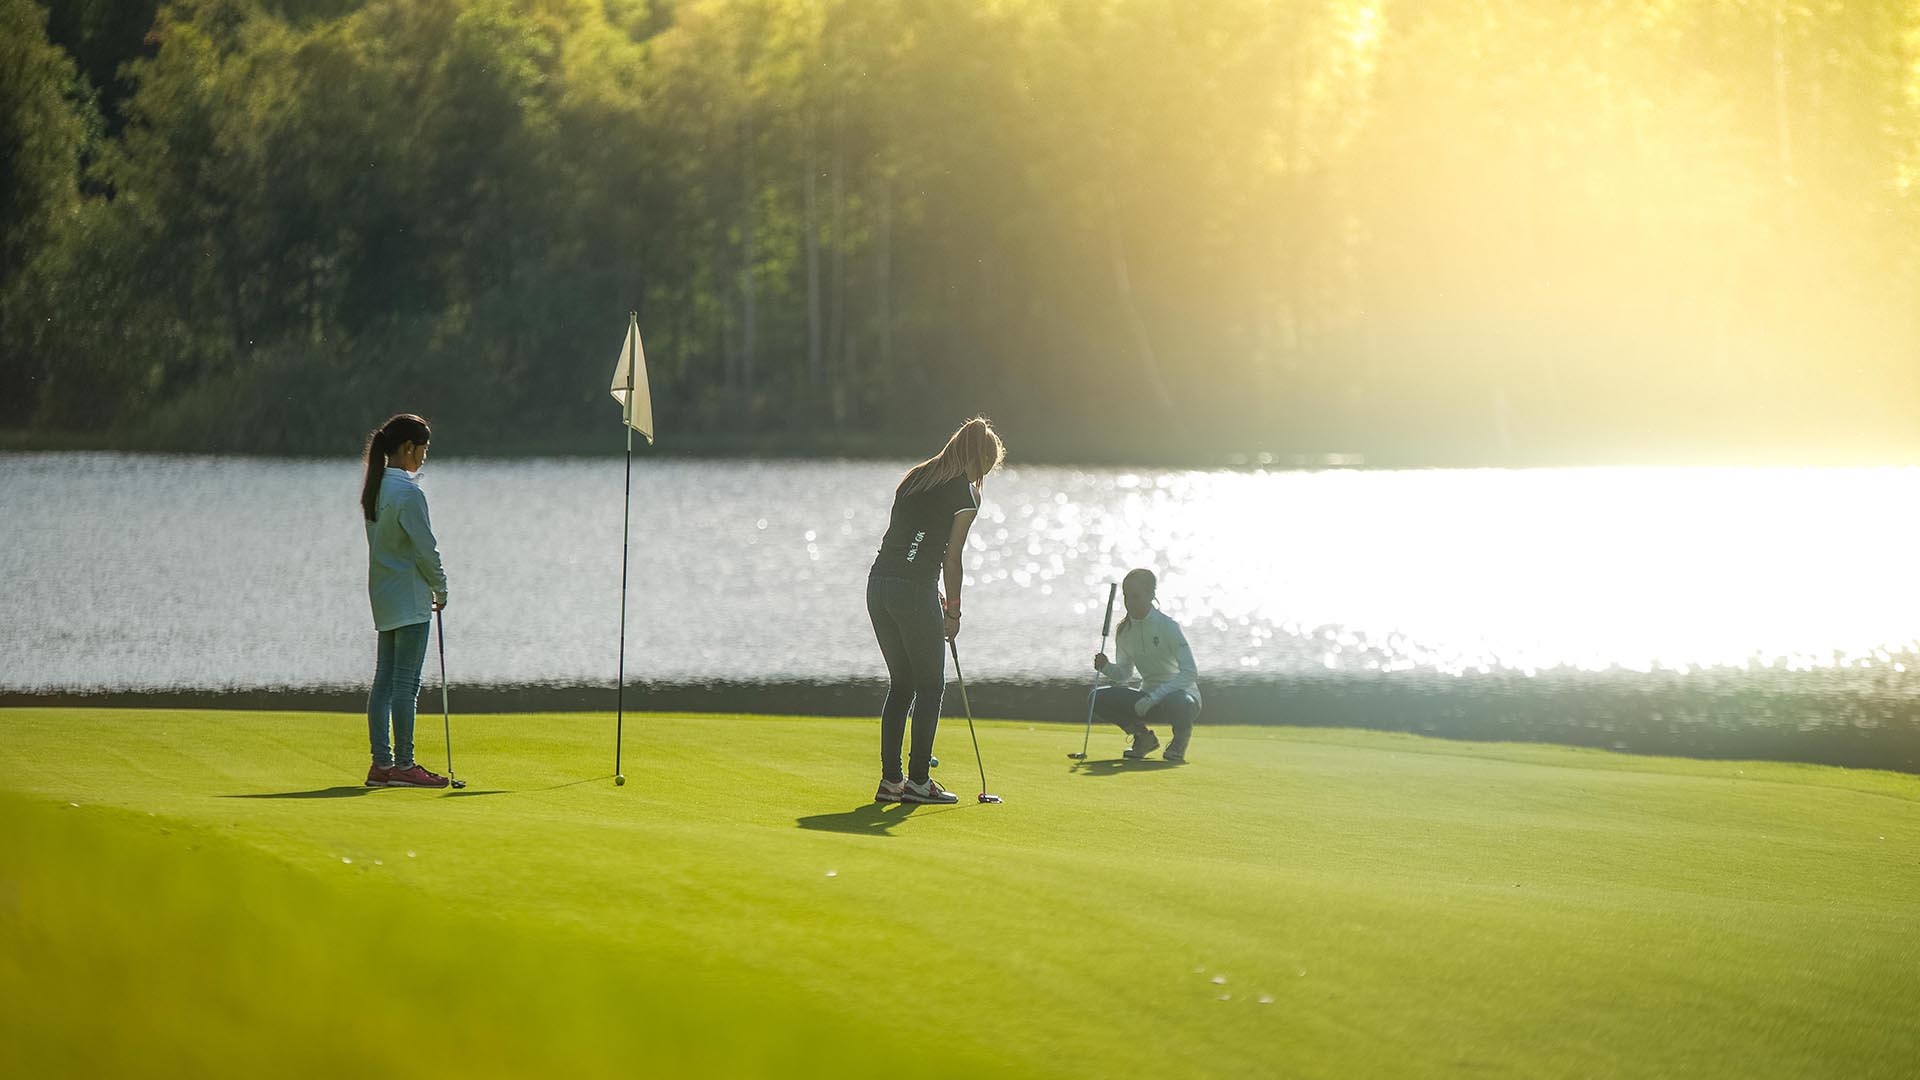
[{"x": 916, "y": 542}]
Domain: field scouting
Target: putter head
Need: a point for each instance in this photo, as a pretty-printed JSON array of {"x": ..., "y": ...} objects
[
  {"x": 984, "y": 797},
  {"x": 1078, "y": 757},
  {"x": 457, "y": 783}
]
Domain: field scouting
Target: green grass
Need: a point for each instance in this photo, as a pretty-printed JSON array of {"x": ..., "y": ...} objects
[{"x": 1372, "y": 905}]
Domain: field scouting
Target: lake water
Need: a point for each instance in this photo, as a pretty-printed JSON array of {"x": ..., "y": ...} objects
[{"x": 129, "y": 572}]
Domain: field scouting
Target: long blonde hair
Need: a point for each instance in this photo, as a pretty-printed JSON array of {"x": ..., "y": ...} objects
[{"x": 975, "y": 447}]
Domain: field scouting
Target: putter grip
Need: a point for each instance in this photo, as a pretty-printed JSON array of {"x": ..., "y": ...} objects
[{"x": 1107, "y": 625}]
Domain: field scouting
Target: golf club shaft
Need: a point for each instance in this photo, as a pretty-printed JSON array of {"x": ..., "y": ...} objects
[
  {"x": 1106, "y": 625},
  {"x": 968, "y": 707},
  {"x": 446, "y": 714},
  {"x": 1086, "y": 737}
]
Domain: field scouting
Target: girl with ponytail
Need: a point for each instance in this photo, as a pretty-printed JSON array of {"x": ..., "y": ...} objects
[
  {"x": 406, "y": 584},
  {"x": 933, "y": 507},
  {"x": 1150, "y": 642}
]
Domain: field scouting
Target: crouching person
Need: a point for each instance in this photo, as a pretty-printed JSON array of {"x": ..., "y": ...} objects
[{"x": 1169, "y": 694}]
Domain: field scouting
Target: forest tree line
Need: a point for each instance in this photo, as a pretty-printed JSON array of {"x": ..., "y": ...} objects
[{"x": 1452, "y": 230}]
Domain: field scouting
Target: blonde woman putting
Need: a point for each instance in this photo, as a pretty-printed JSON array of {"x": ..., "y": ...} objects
[{"x": 933, "y": 507}]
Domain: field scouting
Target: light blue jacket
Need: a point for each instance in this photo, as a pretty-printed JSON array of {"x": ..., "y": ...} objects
[
  {"x": 403, "y": 559},
  {"x": 1159, "y": 650}
]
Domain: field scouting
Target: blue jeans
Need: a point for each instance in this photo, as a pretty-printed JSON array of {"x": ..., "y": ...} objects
[
  {"x": 906, "y": 620},
  {"x": 396, "y": 690},
  {"x": 1114, "y": 704}
]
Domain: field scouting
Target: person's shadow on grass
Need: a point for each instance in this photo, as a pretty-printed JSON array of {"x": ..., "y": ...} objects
[
  {"x": 872, "y": 819},
  {"x": 350, "y": 792},
  {"x": 1117, "y": 766},
  {"x": 321, "y": 793}
]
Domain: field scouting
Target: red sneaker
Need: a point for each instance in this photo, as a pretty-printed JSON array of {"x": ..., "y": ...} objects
[
  {"x": 414, "y": 776},
  {"x": 377, "y": 776}
]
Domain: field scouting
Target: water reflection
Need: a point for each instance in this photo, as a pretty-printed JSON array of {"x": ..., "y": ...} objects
[{"x": 144, "y": 571}]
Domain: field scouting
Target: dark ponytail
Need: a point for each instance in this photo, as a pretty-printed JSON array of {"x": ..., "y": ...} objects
[{"x": 400, "y": 429}]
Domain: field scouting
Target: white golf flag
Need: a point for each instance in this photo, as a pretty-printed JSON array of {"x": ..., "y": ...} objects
[{"x": 630, "y": 382}]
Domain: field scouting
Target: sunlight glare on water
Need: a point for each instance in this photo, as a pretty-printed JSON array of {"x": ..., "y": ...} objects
[
  {"x": 1524, "y": 570},
  {"x": 145, "y": 571}
]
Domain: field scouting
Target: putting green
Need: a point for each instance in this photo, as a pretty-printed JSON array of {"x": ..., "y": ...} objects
[{"x": 226, "y": 897}]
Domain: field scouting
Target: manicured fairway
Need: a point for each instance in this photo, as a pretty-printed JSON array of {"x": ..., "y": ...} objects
[{"x": 225, "y": 898}]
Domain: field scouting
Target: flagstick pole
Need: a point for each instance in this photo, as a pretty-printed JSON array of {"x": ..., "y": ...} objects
[{"x": 626, "y": 530}]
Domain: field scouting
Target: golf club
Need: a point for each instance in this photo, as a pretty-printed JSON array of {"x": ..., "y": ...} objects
[
  {"x": 962, "y": 680},
  {"x": 446, "y": 715},
  {"x": 1105, "y": 625}
]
